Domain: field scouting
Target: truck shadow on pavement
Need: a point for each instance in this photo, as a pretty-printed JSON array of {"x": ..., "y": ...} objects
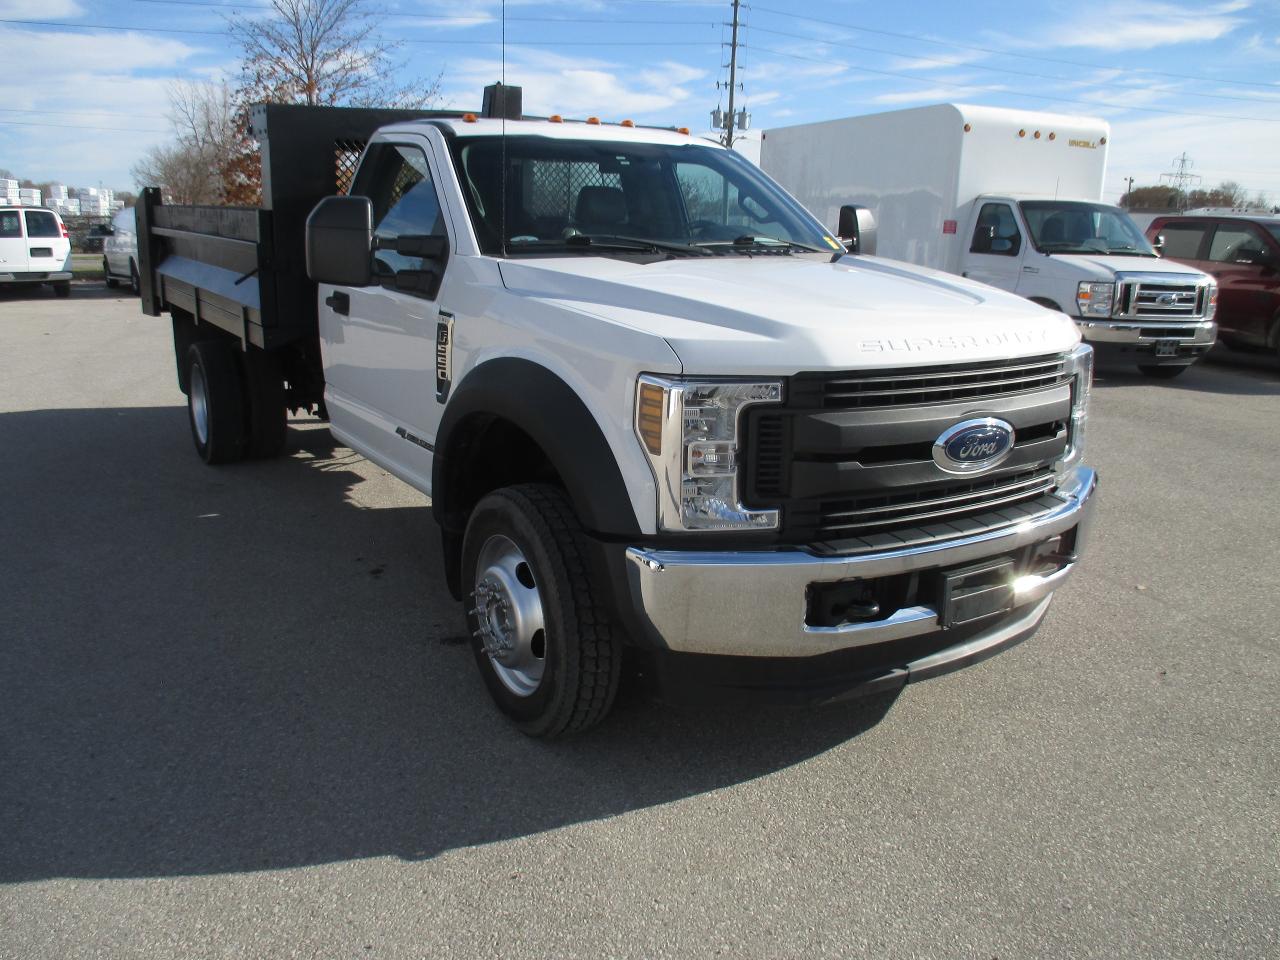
[{"x": 259, "y": 667}]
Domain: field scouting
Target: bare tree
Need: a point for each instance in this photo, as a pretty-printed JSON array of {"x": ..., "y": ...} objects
[
  {"x": 324, "y": 52},
  {"x": 190, "y": 167},
  {"x": 184, "y": 173}
]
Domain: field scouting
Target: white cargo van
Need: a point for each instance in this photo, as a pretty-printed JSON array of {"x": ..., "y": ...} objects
[
  {"x": 34, "y": 248},
  {"x": 1011, "y": 198}
]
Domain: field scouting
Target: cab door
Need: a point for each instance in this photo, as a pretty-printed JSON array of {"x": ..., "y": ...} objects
[
  {"x": 995, "y": 247},
  {"x": 379, "y": 341},
  {"x": 13, "y": 244}
]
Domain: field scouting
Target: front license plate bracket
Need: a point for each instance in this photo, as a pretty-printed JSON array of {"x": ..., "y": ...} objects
[
  {"x": 1166, "y": 348},
  {"x": 974, "y": 593}
]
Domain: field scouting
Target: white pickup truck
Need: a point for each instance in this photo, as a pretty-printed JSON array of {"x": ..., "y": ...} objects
[{"x": 659, "y": 410}]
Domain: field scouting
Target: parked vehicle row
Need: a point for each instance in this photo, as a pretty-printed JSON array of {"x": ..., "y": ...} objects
[{"x": 1010, "y": 198}]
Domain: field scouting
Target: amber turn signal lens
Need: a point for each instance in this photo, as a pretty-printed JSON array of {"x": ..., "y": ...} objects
[{"x": 649, "y": 417}]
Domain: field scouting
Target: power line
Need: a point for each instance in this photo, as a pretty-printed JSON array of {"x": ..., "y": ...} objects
[
  {"x": 977, "y": 66},
  {"x": 81, "y": 113},
  {"x": 74, "y": 126},
  {"x": 791, "y": 15},
  {"x": 450, "y": 41},
  {"x": 445, "y": 18},
  {"x": 1033, "y": 96}
]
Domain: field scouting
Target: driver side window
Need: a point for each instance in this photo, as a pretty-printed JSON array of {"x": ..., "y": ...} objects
[
  {"x": 996, "y": 232},
  {"x": 397, "y": 180}
]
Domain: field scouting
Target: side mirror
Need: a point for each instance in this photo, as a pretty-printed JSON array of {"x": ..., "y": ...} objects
[
  {"x": 108, "y": 230},
  {"x": 857, "y": 229},
  {"x": 984, "y": 239},
  {"x": 340, "y": 241},
  {"x": 1158, "y": 244}
]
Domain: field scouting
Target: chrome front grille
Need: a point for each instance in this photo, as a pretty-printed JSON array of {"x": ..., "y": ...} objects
[
  {"x": 1155, "y": 300},
  {"x": 941, "y": 384}
]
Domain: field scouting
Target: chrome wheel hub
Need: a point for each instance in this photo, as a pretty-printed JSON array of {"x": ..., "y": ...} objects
[
  {"x": 508, "y": 615},
  {"x": 199, "y": 404}
]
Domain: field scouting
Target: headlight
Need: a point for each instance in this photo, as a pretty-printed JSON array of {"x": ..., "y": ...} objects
[
  {"x": 1079, "y": 363},
  {"x": 1211, "y": 301},
  {"x": 1095, "y": 299},
  {"x": 689, "y": 431}
]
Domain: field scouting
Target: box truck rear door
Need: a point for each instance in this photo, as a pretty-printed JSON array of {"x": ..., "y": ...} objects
[{"x": 995, "y": 247}]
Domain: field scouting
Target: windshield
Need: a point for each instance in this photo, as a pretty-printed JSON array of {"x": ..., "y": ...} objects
[
  {"x": 1061, "y": 226},
  {"x": 570, "y": 196}
]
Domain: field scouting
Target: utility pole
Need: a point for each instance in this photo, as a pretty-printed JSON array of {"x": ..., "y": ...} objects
[
  {"x": 1129, "y": 189},
  {"x": 727, "y": 123},
  {"x": 733, "y": 75}
]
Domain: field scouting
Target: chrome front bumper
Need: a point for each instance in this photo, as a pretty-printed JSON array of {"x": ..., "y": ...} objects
[
  {"x": 753, "y": 603},
  {"x": 1136, "y": 332}
]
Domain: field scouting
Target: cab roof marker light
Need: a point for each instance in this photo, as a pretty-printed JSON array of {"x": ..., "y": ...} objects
[
  {"x": 594, "y": 121},
  {"x": 555, "y": 118},
  {"x": 684, "y": 130},
  {"x": 468, "y": 118},
  {"x": 627, "y": 123}
]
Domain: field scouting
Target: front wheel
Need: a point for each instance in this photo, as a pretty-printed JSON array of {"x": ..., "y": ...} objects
[
  {"x": 135, "y": 285},
  {"x": 1162, "y": 372},
  {"x": 112, "y": 282},
  {"x": 543, "y": 640}
]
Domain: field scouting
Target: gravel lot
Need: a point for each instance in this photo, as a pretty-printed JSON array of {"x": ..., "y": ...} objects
[{"x": 236, "y": 719}]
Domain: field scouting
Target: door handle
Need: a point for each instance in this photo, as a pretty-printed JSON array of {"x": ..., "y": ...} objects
[{"x": 338, "y": 302}]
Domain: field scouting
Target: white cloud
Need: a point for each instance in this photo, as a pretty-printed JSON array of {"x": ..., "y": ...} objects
[
  {"x": 574, "y": 86},
  {"x": 936, "y": 62},
  {"x": 39, "y": 9},
  {"x": 949, "y": 94},
  {"x": 1136, "y": 25},
  {"x": 94, "y": 123}
]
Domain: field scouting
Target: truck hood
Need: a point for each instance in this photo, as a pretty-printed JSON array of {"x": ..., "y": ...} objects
[
  {"x": 1101, "y": 266},
  {"x": 778, "y": 314}
]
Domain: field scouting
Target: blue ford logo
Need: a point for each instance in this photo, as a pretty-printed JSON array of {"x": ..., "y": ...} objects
[{"x": 973, "y": 445}]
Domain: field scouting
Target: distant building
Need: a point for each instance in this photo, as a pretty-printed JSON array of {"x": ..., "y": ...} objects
[{"x": 28, "y": 197}]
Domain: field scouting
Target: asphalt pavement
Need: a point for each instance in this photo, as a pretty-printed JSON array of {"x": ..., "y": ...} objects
[{"x": 238, "y": 718}]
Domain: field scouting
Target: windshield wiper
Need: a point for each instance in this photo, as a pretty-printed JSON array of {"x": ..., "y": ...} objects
[
  {"x": 632, "y": 243},
  {"x": 754, "y": 240}
]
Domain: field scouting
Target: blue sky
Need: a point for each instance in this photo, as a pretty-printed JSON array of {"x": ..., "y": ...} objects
[{"x": 80, "y": 103}]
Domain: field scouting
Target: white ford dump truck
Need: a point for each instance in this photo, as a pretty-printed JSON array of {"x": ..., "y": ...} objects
[
  {"x": 1011, "y": 198},
  {"x": 658, "y": 409}
]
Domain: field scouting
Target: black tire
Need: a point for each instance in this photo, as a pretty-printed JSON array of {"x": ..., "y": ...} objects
[
  {"x": 582, "y": 654},
  {"x": 1047, "y": 304},
  {"x": 62, "y": 288},
  {"x": 215, "y": 402},
  {"x": 135, "y": 284},
  {"x": 1163, "y": 372},
  {"x": 266, "y": 417},
  {"x": 112, "y": 282}
]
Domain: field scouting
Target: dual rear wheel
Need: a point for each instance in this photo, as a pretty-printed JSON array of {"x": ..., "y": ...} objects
[{"x": 235, "y": 402}]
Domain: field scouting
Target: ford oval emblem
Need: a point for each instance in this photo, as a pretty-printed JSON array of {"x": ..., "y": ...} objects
[{"x": 973, "y": 445}]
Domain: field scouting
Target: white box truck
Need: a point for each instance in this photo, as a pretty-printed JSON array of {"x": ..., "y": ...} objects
[{"x": 1010, "y": 198}]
